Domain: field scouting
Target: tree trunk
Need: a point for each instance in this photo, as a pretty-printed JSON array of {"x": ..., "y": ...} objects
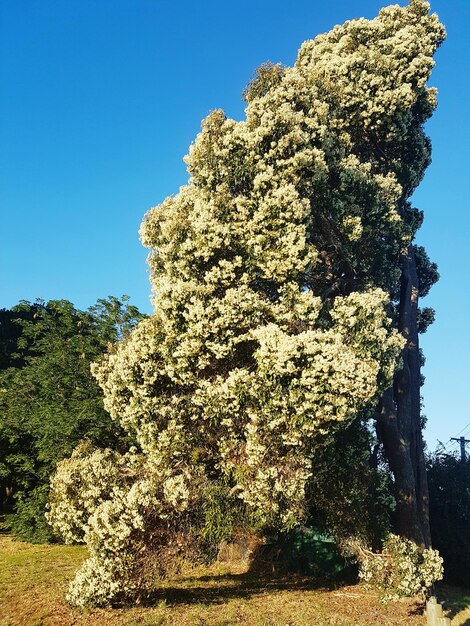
[{"x": 399, "y": 419}]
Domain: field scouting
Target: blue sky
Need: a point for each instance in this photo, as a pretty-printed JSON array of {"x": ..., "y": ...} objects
[{"x": 99, "y": 102}]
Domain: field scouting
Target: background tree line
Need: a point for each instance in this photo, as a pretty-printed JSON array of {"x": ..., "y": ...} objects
[{"x": 49, "y": 400}]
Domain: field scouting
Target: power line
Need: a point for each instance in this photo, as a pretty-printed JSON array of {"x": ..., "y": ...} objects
[
  {"x": 464, "y": 428},
  {"x": 444, "y": 445}
]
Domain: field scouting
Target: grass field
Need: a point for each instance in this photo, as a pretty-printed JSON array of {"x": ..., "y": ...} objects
[{"x": 33, "y": 581}]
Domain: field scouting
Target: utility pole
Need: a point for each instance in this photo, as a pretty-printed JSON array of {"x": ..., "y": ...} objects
[{"x": 462, "y": 441}]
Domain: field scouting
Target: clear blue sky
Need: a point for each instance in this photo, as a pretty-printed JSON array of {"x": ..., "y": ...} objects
[{"x": 99, "y": 102}]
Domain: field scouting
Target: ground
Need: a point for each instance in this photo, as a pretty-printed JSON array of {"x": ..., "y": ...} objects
[{"x": 33, "y": 581}]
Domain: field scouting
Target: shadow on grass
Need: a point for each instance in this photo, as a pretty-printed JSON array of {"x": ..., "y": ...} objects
[
  {"x": 217, "y": 590},
  {"x": 455, "y": 600},
  {"x": 220, "y": 589},
  {"x": 293, "y": 562}
]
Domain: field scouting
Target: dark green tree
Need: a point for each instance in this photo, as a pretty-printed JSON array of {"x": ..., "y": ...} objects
[
  {"x": 350, "y": 492},
  {"x": 10, "y": 331},
  {"x": 449, "y": 503},
  {"x": 49, "y": 400}
]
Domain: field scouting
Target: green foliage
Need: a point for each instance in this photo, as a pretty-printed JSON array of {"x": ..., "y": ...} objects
[
  {"x": 48, "y": 399},
  {"x": 220, "y": 517},
  {"x": 28, "y": 522},
  {"x": 114, "y": 318},
  {"x": 449, "y": 508},
  {"x": 10, "y": 331},
  {"x": 307, "y": 550},
  {"x": 218, "y": 512},
  {"x": 350, "y": 491},
  {"x": 426, "y": 317},
  {"x": 427, "y": 271}
]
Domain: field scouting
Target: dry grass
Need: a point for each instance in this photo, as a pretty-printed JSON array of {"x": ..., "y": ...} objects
[{"x": 33, "y": 580}]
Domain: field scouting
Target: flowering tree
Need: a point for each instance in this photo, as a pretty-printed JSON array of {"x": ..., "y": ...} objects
[{"x": 275, "y": 272}]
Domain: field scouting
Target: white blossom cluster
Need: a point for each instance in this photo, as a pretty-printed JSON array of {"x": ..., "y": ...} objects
[
  {"x": 402, "y": 570},
  {"x": 252, "y": 355},
  {"x": 81, "y": 483},
  {"x": 106, "y": 500}
]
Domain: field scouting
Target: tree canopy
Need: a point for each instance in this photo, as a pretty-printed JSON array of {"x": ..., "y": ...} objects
[{"x": 277, "y": 274}]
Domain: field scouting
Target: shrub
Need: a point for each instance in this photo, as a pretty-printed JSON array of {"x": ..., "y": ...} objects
[{"x": 401, "y": 570}]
